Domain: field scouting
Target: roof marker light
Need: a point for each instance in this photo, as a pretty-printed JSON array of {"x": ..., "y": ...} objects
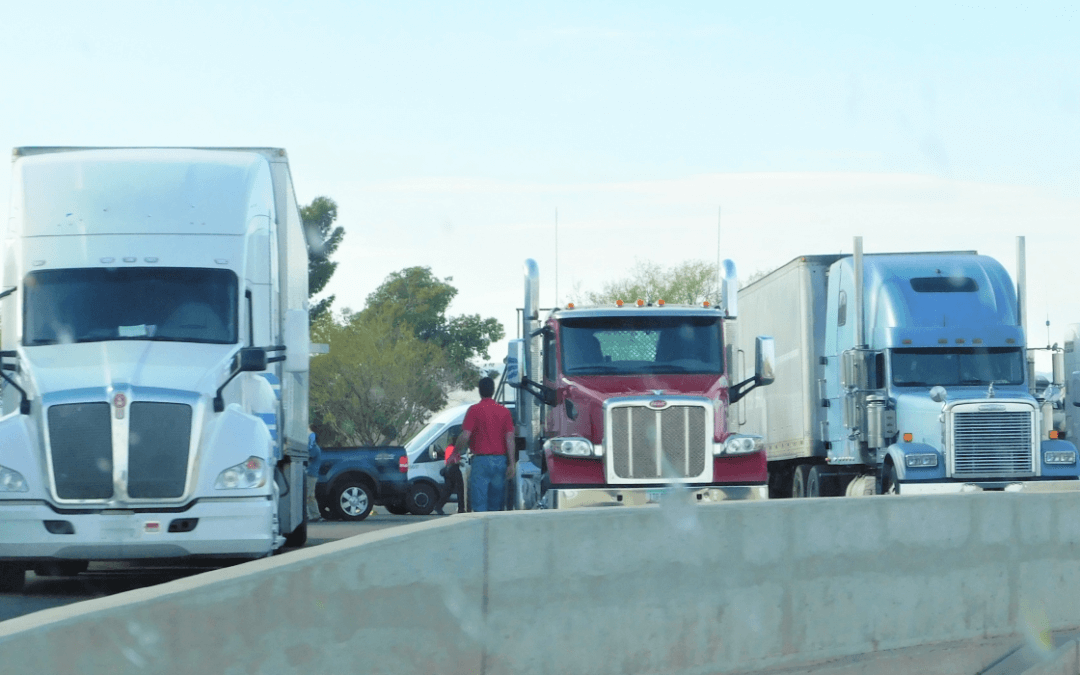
[
  {"x": 618, "y": 303},
  {"x": 706, "y": 304},
  {"x": 943, "y": 341},
  {"x": 640, "y": 302},
  {"x": 569, "y": 305},
  {"x": 906, "y": 341},
  {"x": 1010, "y": 341},
  {"x": 660, "y": 302},
  {"x": 959, "y": 341},
  {"x": 976, "y": 341}
]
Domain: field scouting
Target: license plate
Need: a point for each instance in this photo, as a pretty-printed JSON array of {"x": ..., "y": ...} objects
[{"x": 654, "y": 496}]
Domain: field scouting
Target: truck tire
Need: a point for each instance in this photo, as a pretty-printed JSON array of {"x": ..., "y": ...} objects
[
  {"x": 798, "y": 481},
  {"x": 12, "y": 577},
  {"x": 297, "y": 537},
  {"x": 819, "y": 482},
  {"x": 397, "y": 509},
  {"x": 352, "y": 500},
  {"x": 422, "y": 499},
  {"x": 889, "y": 484}
]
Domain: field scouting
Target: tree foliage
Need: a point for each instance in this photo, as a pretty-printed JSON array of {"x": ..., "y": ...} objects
[
  {"x": 690, "y": 282},
  {"x": 416, "y": 298},
  {"x": 323, "y": 240},
  {"x": 394, "y": 363}
]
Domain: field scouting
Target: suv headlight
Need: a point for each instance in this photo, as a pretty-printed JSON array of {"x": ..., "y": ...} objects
[
  {"x": 921, "y": 460},
  {"x": 1055, "y": 457},
  {"x": 12, "y": 481},
  {"x": 573, "y": 447},
  {"x": 742, "y": 444},
  {"x": 251, "y": 473}
]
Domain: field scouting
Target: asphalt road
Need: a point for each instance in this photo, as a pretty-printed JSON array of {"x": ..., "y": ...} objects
[{"x": 104, "y": 579}]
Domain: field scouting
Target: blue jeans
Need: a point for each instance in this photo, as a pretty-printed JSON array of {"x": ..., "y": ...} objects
[{"x": 487, "y": 482}]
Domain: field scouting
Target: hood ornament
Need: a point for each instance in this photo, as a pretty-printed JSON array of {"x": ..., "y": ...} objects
[
  {"x": 658, "y": 392},
  {"x": 990, "y": 391}
]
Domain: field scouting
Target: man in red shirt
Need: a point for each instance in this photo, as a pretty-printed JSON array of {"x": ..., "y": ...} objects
[{"x": 488, "y": 430}]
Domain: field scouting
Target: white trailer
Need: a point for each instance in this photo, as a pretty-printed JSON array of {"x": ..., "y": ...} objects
[{"x": 155, "y": 357}]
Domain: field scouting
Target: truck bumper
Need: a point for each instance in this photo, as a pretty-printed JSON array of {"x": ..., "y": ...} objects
[
  {"x": 242, "y": 528},
  {"x": 989, "y": 486},
  {"x": 556, "y": 498}
]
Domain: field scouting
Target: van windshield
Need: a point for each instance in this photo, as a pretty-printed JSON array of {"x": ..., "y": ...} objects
[
  {"x": 177, "y": 304},
  {"x": 957, "y": 366},
  {"x": 641, "y": 344}
]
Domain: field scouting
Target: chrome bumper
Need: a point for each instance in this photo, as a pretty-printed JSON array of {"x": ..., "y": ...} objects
[
  {"x": 992, "y": 486},
  {"x": 569, "y": 499}
]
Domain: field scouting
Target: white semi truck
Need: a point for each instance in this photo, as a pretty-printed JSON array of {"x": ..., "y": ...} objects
[{"x": 154, "y": 358}]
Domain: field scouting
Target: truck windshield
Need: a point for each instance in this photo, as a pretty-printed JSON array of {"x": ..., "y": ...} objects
[
  {"x": 957, "y": 366},
  {"x": 641, "y": 344},
  {"x": 176, "y": 304}
]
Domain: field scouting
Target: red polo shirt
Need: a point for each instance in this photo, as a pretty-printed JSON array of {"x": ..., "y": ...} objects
[{"x": 488, "y": 423}]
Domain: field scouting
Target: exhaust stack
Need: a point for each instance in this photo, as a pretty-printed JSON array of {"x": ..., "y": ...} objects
[{"x": 860, "y": 339}]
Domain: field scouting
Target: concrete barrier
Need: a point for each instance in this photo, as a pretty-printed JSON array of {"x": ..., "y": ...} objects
[{"x": 677, "y": 589}]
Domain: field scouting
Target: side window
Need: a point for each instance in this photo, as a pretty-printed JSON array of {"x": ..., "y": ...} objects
[
  {"x": 841, "y": 312},
  {"x": 549, "y": 358}
]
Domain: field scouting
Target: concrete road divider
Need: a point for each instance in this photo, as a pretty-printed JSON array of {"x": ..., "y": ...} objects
[{"x": 677, "y": 589}]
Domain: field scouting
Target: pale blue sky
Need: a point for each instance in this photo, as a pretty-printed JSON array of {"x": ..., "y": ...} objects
[{"x": 450, "y": 132}]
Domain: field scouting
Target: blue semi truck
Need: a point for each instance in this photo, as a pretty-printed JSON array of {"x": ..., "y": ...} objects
[{"x": 896, "y": 374}]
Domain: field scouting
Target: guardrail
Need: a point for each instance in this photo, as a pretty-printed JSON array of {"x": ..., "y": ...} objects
[{"x": 676, "y": 589}]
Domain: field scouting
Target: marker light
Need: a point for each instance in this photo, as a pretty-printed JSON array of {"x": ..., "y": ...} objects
[
  {"x": 569, "y": 305},
  {"x": 1053, "y": 433},
  {"x": 660, "y": 302},
  {"x": 907, "y": 438},
  {"x": 618, "y": 303},
  {"x": 906, "y": 341},
  {"x": 706, "y": 304},
  {"x": 640, "y": 303}
]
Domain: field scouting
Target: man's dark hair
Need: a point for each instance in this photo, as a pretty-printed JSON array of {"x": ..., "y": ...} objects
[{"x": 487, "y": 387}]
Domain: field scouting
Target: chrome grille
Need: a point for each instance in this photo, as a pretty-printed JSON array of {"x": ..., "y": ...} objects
[
  {"x": 992, "y": 444},
  {"x": 158, "y": 440},
  {"x": 80, "y": 441},
  {"x": 668, "y": 443}
]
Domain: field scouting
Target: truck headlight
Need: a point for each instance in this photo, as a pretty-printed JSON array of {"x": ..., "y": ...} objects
[
  {"x": 1059, "y": 457},
  {"x": 921, "y": 460},
  {"x": 12, "y": 481},
  {"x": 573, "y": 447},
  {"x": 742, "y": 444},
  {"x": 251, "y": 473}
]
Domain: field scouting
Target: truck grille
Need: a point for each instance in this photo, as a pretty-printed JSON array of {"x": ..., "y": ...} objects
[
  {"x": 992, "y": 444},
  {"x": 80, "y": 440},
  {"x": 668, "y": 443},
  {"x": 158, "y": 440}
]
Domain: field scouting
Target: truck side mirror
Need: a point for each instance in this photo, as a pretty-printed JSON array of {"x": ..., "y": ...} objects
[
  {"x": 515, "y": 361},
  {"x": 297, "y": 339},
  {"x": 252, "y": 359},
  {"x": 855, "y": 368},
  {"x": 764, "y": 360}
]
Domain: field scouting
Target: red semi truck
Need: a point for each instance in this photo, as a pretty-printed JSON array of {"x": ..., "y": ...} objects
[{"x": 620, "y": 404}]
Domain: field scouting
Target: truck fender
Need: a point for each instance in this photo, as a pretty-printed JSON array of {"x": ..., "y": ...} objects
[
  {"x": 1047, "y": 445},
  {"x": 233, "y": 437},
  {"x": 19, "y": 452},
  {"x": 898, "y": 451}
]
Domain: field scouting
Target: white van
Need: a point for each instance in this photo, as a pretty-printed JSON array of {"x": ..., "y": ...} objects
[{"x": 426, "y": 452}]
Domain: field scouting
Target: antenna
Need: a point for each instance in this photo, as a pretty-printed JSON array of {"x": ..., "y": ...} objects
[{"x": 556, "y": 256}]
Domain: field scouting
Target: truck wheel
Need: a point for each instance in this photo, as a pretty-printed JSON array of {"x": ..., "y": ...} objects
[
  {"x": 297, "y": 537},
  {"x": 889, "y": 484},
  {"x": 421, "y": 499},
  {"x": 798, "y": 482},
  {"x": 815, "y": 482},
  {"x": 12, "y": 577},
  {"x": 397, "y": 509},
  {"x": 352, "y": 500}
]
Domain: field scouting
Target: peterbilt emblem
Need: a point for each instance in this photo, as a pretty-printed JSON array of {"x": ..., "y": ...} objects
[
  {"x": 992, "y": 407},
  {"x": 119, "y": 401},
  {"x": 657, "y": 404}
]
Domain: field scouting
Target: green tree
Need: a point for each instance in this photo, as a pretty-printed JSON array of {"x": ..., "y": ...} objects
[
  {"x": 690, "y": 282},
  {"x": 393, "y": 364},
  {"x": 416, "y": 298},
  {"x": 377, "y": 385},
  {"x": 323, "y": 240}
]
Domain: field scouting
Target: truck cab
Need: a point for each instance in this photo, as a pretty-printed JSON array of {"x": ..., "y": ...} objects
[{"x": 625, "y": 402}]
